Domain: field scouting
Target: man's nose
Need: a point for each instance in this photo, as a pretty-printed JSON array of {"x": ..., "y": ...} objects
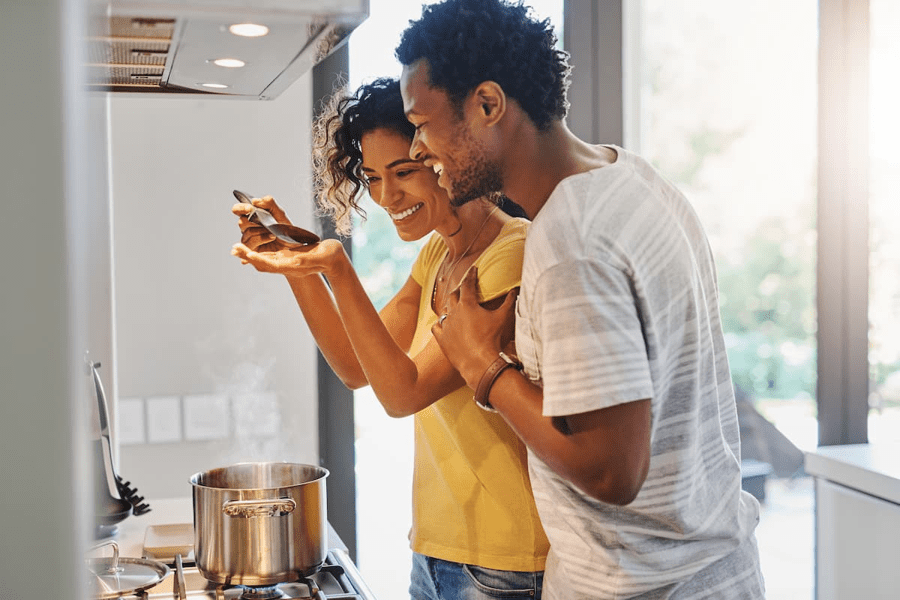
[{"x": 417, "y": 150}]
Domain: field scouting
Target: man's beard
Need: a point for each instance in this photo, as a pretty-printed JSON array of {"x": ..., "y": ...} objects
[{"x": 480, "y": 179}]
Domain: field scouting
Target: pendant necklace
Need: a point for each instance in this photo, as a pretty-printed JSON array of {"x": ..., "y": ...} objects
[{"x": 450, "y": 270}]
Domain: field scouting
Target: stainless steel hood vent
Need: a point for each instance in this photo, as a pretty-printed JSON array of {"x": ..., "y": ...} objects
[{"x": 172, "y": 47}]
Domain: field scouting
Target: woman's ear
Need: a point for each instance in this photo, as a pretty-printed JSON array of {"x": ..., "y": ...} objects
[{"x": 491, "y": 101}]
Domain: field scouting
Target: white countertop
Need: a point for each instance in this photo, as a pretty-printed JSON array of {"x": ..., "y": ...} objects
[
  {"x": 130, "y": 536},
  {"x": 870, "y": 468}
]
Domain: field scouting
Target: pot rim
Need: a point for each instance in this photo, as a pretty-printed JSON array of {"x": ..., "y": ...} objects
[{"x": 323, "y": 473}]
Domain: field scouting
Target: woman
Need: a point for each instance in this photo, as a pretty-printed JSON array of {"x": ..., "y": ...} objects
[{"x": 475, "y": 527}]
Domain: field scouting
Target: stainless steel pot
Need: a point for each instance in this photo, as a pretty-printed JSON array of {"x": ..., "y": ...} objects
[{"x": 259, "y": 524}]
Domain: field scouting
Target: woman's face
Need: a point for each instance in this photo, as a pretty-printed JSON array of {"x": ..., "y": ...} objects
[{"x": 405, "y": 188}]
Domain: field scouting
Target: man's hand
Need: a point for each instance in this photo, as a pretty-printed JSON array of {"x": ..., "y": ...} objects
[{"x": 470, "y": 335}]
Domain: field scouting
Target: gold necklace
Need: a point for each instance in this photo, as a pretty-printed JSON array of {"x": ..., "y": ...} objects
[{"x": 449, "y": 272}]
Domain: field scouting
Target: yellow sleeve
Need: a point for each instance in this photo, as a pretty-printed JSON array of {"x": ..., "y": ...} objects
[{"x": 500, "y": 265}]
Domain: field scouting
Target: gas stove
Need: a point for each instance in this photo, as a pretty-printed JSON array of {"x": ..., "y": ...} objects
[{"x": 337, "y": 579}]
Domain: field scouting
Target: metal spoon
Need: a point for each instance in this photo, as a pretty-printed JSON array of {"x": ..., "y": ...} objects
[{"x": 289, "y": 234}]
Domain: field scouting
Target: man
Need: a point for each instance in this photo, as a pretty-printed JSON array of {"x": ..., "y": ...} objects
[{"x": 623, "y": 394}]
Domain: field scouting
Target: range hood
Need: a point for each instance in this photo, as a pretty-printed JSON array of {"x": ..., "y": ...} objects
[{"x": 230, "y": 48}]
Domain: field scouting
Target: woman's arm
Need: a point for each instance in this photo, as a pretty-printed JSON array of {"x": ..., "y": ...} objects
[
  {"x": 403, "y": 384},
  {"x": 360, "y": 344}
]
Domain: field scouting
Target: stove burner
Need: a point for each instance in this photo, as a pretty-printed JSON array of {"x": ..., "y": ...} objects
[
  {"x": 269, "y": 592},
  {"x": 337, "y": 579},
  {"x": 305, "y": 587}
]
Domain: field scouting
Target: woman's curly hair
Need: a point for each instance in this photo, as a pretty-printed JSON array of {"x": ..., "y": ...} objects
[
  {"x": 337, "y": 155},
  {"x": 467, "y": 42}
]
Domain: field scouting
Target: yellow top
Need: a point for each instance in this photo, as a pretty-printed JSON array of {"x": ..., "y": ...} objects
[{"x": 472, "y": 500}]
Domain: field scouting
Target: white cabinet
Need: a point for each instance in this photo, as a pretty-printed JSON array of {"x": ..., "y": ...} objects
[{"x": 857, "y": 521}]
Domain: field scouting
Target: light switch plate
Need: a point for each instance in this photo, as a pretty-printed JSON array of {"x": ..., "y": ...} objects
[
  {"x": 131, "y": 425},
  {"x": 163, "y": 419},
  {"x": 206, "y": 417}
]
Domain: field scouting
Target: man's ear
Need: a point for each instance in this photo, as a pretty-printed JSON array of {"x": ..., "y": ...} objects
[{"x": 491, "y": 102}]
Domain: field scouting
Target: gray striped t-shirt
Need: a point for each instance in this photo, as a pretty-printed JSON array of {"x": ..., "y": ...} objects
[{"x": 619, "y": 303}]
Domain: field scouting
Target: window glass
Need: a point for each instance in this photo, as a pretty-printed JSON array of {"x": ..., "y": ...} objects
[
  {"x": 727, "y": 101},
  {"x": 727, "y": 111},
  {"x": 884, "y": 217}
]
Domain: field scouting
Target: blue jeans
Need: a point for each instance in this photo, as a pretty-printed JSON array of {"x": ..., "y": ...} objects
[{"x": 435, "y": 579}]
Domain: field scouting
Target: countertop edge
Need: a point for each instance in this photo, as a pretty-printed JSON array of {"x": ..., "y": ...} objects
[{"x": 859, "y": 466}]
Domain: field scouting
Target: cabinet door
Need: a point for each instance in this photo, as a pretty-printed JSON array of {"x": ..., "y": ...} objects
[{"x": 857, "y": 544}]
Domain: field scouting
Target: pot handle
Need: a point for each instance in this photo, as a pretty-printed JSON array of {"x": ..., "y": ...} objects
[{"x": 259, "y": 508}]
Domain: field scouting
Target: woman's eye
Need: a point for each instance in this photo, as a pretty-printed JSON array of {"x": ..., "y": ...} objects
[
  {"x": 405, "y": 172},
  {"x": 370, "y": 181}
]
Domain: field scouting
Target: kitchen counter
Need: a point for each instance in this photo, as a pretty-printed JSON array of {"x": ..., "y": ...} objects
[
  {"x": 873, "y": 469},
  {"x": 857, "y": 520}
]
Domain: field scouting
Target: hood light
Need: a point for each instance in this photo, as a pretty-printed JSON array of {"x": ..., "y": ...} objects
[
  {"x": 218, "y": 86},
  {"x": 231, "y": 63},
  {"x": 248, "y": 29}
]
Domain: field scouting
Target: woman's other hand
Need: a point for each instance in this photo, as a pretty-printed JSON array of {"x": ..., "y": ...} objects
[{"x": 324, "y": 257}]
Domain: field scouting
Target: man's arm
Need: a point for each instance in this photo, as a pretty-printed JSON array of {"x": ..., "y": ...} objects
[{"x": 605, "y": 453}]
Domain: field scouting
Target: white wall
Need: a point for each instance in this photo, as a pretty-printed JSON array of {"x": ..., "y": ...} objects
[{"x": 190, "y": 319}]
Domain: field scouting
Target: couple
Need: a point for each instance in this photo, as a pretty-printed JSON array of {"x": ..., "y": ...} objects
[{"x": 618, "y": 383}]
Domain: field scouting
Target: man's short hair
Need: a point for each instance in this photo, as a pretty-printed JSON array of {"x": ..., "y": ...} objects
[{"x": 467, "y": 42}]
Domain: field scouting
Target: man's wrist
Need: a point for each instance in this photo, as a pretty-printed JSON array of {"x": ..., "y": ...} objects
[
  {"x": 478, "y": 362},
  {"x": 489, "y": 377}
]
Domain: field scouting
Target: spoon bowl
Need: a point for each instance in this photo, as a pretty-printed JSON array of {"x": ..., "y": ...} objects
[{"x": 288, "y": 234}]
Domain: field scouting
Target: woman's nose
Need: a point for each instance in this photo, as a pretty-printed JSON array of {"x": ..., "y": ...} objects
[{"x": 390, "y": 193}]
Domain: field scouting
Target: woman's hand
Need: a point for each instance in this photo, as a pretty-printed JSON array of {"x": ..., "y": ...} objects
[
  {"x": 253, "y": 235},
  {"x": 324, "y": 257}
]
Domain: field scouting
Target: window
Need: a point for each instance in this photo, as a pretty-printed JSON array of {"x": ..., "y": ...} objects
[
  {"x": 884, "y": 213},
  {"x": 727, "y": 104},
  {"x": 726, "y": 101}
]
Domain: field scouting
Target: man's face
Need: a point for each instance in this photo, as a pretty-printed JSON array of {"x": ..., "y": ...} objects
[{"x": 447, "y": 141}]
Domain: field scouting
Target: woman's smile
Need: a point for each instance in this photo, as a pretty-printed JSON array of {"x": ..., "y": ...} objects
[{"x": 404, "y": 214}]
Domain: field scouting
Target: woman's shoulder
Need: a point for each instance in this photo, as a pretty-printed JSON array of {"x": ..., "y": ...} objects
[
  {"x": 509, "y": 245},
  {"x": 432, "y": 251},
  {"x": 513, "y": 231}
]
